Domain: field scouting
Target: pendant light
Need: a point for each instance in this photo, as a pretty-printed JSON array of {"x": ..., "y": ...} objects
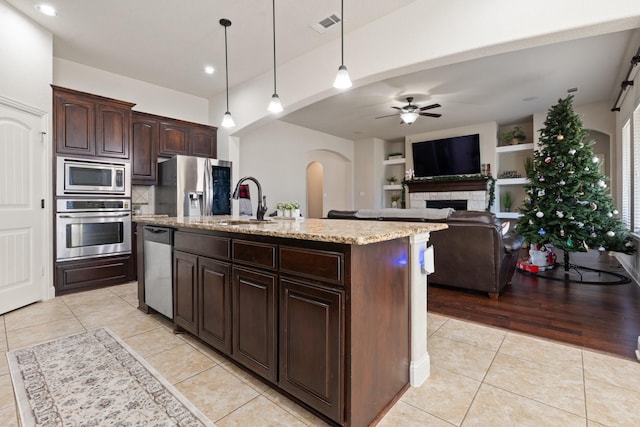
[
  {"x": 275, "y": 106},
  {"x": 342, "y": 78},
  {"x": 227, "y": 120}
]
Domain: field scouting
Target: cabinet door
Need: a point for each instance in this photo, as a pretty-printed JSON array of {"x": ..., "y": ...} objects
[
  {"x": 74, "y": 124},
  {"x": 311, "y": 344},
  {"x": 185, "y": 291},
  {"x": 254, "y": 321},
  {"x": 203, "y": 142},
  {"x": 113, "y": 125},
  {"x": 214, "y": 320},
  {"x": 174, "y": 138},
  {"x": 144, "y": 150}
]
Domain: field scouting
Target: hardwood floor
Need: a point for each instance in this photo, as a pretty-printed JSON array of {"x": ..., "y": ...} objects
[{"x": 601, "y": 317}]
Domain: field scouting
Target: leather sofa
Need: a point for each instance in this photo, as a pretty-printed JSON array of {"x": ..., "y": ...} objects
[{"x": 471, "y": 254}]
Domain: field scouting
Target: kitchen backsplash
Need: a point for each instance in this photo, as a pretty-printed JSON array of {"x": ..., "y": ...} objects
[{"x": 144, "y": 197}]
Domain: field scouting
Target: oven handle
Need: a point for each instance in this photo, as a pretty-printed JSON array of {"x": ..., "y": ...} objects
[{"x": 94, "y": 216}]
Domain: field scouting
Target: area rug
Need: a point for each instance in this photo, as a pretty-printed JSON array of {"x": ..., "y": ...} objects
[{"x": 94, "y": 379}]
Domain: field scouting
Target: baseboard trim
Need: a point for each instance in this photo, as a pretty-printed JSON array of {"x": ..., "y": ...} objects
[{"x": 419, "y": 370}]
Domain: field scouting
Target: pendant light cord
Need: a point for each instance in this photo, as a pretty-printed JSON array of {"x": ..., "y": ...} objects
[
  {"x": 341, "y": 32},
  {"x": 226, "y": 64},
  {"x": 274, "y": 47}
]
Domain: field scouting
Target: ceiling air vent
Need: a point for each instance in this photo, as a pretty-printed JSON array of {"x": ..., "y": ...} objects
[{"x": 324, "y": 24}]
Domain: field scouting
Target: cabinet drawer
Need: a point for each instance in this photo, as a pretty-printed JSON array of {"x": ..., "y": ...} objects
[
  {"x": 324, "y": 265},
  {"x": 202, "y": 244},
  {"x": 254, "y": 253}
]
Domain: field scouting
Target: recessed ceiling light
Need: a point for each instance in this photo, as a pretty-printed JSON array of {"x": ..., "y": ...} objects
[
  {"x": 209, "y": 69},
  {"x": 46, "y": 9}
]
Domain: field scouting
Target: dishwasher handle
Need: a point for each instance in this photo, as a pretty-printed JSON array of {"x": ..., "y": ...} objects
[{"x": 158, "y": 234}]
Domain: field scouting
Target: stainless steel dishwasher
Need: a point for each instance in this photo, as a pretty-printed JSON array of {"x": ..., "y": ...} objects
[{"x": 158, "y": 285}]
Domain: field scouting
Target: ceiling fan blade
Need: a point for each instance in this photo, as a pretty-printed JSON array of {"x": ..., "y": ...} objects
[
  {"x": 429, "y": 107},
  {"x": 389, "y": 115},
  {"x": 397, "y": 108},
  {"x": 430, "y": 114}
]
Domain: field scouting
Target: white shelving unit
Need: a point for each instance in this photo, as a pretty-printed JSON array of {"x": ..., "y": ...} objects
[
  {"x": 511, "y": 158},
  {"x": 392, "y": 167}
]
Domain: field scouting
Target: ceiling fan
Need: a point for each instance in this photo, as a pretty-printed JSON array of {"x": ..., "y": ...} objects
[{"x": 410, "y": 112}]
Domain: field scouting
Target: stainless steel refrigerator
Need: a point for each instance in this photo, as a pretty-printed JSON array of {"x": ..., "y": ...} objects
[{"x": 193, "y": 186}]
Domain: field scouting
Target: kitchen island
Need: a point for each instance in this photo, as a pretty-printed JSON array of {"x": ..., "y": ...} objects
[{"x": 330, "y": 312}]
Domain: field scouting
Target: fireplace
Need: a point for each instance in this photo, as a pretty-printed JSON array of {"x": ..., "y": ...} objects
[
  {"x": 459, "y": 205},
  {"x": 460, "y": 194}
]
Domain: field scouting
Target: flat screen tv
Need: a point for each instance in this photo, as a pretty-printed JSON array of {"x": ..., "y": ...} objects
[{"x": 459, "y": 155}]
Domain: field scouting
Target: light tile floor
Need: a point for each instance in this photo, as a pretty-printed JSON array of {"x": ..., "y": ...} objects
[{"x": 480, "y": 376}]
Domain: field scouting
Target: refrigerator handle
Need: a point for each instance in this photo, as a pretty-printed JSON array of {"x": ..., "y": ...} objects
[{"x": 207, "y": 202}]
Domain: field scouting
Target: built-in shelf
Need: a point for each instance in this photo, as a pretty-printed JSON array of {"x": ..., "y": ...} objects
[
  {"x": 512, "y": 181},
  {"x": 392, "y": 187},
  {"x": 512, "y": 148},
  {"x": 394, "y": 161}
]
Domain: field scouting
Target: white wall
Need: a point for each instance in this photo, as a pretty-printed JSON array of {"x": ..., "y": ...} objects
[
  {"x": 149, "y": 98},
  {"x": 488, "y": 141},
  {"x": 368, "y": 173},
  {"x": 26, "y": 52},
  {"x": 278, "y": 154}
]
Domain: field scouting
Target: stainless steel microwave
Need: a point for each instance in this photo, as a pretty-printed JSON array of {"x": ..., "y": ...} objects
[{"x": 78, "y": 177}]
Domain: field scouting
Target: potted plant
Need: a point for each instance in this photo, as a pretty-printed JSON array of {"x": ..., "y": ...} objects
[
  {"x": 507, "y": 201},
  {"x": 394, "y": 200},
  {"x": 295, "y": 209},
  {"x": 514, "y": 136},
  {"x": 396, "y": 155},
  {"x": 280, "y": 209},
  {"x": 392, "y": 180}
]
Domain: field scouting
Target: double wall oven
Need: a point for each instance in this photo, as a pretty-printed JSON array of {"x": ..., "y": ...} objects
[{"x": 93, "y": 208}]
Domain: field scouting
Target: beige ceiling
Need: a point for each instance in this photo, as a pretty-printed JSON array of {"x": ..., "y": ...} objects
[{"x": 168, "y": 42}]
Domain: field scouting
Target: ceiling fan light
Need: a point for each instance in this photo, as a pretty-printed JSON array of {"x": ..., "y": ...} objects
[
  {"x": 275, "y": 106},
  {"x": 227, "y": 120},
  {"x": 409, "y": 117},
  {"x": 343, "y": 81}
]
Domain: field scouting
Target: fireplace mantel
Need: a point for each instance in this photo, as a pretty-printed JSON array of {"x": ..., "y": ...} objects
[{"x": 447, "y": 185}]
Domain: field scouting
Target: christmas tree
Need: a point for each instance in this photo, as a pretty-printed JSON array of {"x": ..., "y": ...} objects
[{"x": 568, "y": 204}]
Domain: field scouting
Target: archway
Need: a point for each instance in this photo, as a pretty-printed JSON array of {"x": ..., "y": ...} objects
[{"x": 315, "y": 176}]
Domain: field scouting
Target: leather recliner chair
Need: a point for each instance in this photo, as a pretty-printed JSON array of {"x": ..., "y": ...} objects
[{"x": 471, "y": 254}]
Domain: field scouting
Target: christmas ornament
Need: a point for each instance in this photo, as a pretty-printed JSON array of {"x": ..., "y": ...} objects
[
  {"x": 593, "y": 206},
  {"x": 570, "y": 217},
  {"x": 601, "y": 184},
  {"x": 580, "y": 224},
  {"x": 595, "y": 160},
  {"x": 572, "y": 151},
  {"x": 594, "y": 235},
  {"x": 542, "y": 232},
  {"x": 601, "y": 249},
  {"x": 541, "y": 193},
  {"x": 558, "y": 199},
  {"x": 547, "y": 160},
  {"x": 560, "y": 214},
  {"x": 569, "y": 243},
  {"x": 615, "y": 211},
  {"x": 530, "y": 222},
  {"x": 541, "y": 179},
  {"x": 539, "y": 214},
  {"x": 561, "y": 164},
  {"x": 584, "y": 244},
  {"x": 571, "y": 171},
  {"x": 560, "y": 137},
  {"x": 610, "y": 233},
  {"x": 562, "y": 182},
  {"x": 609, "y": 214},
  {"x": 561, "y": 233},
  {"x": 581, "y": 145},
  {"x": 586, "y": 168}
]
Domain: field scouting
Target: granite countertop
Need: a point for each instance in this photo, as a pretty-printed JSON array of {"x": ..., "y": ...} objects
[{"x": 353, "y": 232}]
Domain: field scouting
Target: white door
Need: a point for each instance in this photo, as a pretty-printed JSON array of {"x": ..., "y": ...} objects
[{"x": 23, "y": 239}]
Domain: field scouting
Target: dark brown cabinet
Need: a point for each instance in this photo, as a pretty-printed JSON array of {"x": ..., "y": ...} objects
[
  {"x": 214, "y": 308},
  {"x": 185, "y": 292},
  {"x": 184, "y": 138},
  {"x": 90, "y": 125},
  {"x": 86, "y": 274},
  {"x": 254, "y": 321},
  {"x": 311, "y": 344},
  {"x": 144, "y": 149}
]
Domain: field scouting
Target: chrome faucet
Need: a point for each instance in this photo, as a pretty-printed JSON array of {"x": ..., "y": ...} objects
[{"x": 262, "y": 200}]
